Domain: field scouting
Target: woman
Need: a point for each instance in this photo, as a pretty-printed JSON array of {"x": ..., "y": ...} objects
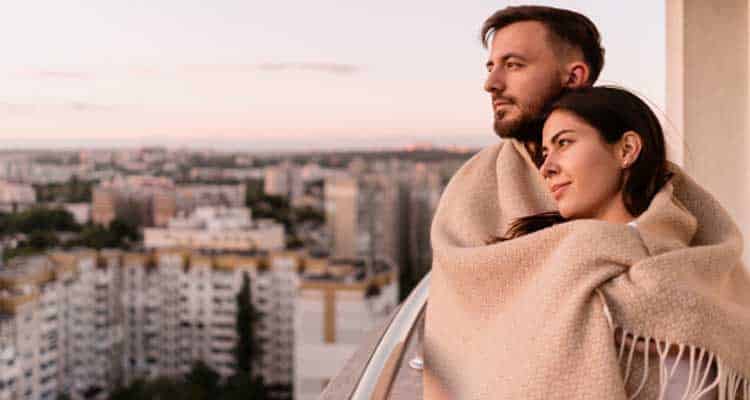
[
  {"x": 603, "y": 157},
  {"x": 630, "y": 253}
]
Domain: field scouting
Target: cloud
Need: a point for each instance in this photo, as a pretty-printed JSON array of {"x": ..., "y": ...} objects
[
  {"x": 152, "y": 71},
  {"x": 43, "y": 108},
  {"x": 56, "y": 74},
  {"x": 329, "y": 68}
]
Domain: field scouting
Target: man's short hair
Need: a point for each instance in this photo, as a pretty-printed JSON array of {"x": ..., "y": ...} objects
[{"x": 564, "y": 26}]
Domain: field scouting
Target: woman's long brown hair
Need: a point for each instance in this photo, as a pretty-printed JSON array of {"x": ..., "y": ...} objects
[{"x": 612, "y": 111}]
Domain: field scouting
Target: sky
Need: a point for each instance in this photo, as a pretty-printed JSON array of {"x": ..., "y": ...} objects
[{"x": 287, "y": 75}]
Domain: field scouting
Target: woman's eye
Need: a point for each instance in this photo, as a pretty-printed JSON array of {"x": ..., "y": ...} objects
[{"x": 562, "y": 142}]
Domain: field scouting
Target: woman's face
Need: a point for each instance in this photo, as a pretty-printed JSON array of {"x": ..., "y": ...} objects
[{"x": 581, "y": 170}]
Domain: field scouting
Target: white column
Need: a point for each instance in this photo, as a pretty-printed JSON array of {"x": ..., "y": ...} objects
[{"x": 707, "y": 99}]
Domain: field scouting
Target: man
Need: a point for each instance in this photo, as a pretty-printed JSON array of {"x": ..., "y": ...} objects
[{"x": 536, "y": 53}]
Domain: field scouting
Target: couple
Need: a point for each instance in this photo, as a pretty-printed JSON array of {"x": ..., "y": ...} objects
[{"x": 572, "y": 260}]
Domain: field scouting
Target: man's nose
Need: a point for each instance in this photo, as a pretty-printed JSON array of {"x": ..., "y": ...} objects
[{"x": 495, "y": 81}]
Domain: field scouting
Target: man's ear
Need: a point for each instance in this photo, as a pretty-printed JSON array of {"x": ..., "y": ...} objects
[
  {"x": 629, "y": 148},
  {"x": 576, "y": 75}
]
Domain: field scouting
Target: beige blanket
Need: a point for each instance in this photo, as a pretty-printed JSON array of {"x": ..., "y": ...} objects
[{"x": 524, "y": 319}]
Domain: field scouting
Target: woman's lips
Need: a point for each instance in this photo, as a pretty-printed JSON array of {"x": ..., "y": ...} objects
[{"x": 558, "y": 190}]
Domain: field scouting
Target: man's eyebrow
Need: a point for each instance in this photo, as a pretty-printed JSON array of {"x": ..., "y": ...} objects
[
  {"x": 505, "y": 58},
  {"x": 512, "y": 55}
]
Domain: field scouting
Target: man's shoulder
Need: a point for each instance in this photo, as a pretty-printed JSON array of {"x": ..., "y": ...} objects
[
  {"x": 479, "y": 162},
  {"x": 486, "y": 155}
]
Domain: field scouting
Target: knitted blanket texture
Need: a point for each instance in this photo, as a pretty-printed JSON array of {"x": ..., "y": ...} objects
[{"x": 536, "y": 317}]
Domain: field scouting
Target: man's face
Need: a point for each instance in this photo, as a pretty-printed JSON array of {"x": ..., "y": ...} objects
[{"x": 524, "y": 75}]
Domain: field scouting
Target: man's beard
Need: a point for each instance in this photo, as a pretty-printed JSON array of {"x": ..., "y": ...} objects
[
  {"x": 528, "y": 126},
  {"x": 524, "y": 128}
]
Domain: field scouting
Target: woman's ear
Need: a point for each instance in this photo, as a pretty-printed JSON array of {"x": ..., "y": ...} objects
[
  {"x": 576, "y": 75},
  {"x": 629, "y": 148}
]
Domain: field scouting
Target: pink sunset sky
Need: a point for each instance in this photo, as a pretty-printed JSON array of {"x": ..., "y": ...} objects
[{"x": 284, "y": 75}]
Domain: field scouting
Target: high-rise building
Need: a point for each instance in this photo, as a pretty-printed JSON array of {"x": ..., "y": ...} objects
[
  {"x": 337, "y": 305},
  {"x": 341, "y": 207},
  {"x": 190, "y": 197},
  {"x": 362, "y": 216},
  {"x": 217, "y": 229},
  {"x": 284, "y": 180},
  {"x": 16, "y": 196},
  {"x": 84, "y": 323},
  {"x": 144, "y": 200},
  {"x": 424, "y": 194},
  {"x": 181, "y": 307},
  {"x": 59, "y": 325}
]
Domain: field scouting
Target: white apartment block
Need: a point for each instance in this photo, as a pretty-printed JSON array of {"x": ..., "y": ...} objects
[
  {"x": 285, "y": 180},
  {"x": 24, "y": 169},
  {"x": 56, "y": 326},
  {"x": 217, "y": 229},
  {"x": 81, "y": 212},
  {"x": 180, "y": 307},
  {"x": 363, "y": 216},
  {"x": 16, "y": 196},
  {"x": 337, "y": 306},
  {"x": 190, "y": 197},
  {"x": 84, "y": 323}
]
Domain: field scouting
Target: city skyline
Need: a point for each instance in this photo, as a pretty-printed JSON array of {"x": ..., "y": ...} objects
[{"x": 248, "y": 77}]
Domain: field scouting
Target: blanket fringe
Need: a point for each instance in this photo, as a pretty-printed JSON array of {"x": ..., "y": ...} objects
[{"x": 707, "y": 373}]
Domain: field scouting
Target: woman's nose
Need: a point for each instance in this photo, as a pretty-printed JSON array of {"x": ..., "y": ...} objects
[{"x": 549, "y": 168}]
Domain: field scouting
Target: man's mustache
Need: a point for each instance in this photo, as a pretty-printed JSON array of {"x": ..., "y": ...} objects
[{"x": 503, "y": 99}]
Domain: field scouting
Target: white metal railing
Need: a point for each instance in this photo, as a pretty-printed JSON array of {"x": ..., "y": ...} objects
[{"x": 398, "y": 332}]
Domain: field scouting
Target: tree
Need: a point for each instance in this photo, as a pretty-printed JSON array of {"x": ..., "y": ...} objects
[
  {"x": 203, "y": 382},
  {"x": 41, "y": 240},
  {"x": 124, "y": 231},
  {"x": 97, "y": 237},
  {"x": 253, "y": 192},
  {"x": 38, "y": 218},
  {"x": 247, "y": 352}
]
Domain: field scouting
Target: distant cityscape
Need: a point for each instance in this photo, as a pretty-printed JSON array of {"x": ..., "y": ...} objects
[{"x": 204, "y": 274}]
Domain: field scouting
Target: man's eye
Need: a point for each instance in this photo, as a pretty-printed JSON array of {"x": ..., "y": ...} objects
[{"x": 512, "y": 65}]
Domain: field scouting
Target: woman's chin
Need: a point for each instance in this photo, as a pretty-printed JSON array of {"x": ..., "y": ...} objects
[{"x": 565, "y": 212}]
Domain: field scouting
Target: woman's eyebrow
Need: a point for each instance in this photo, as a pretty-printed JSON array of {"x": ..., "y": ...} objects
[{"x": 556, "y": 136}]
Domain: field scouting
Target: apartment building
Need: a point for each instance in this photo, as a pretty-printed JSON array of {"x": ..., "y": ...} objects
[
  {"x": 84, "y": 323},
  {"x": 16, "y": 196},
  {"x": 191, "y": 197},
  {"x": 145, "y": 200},
  {"x": 363, "y": 216},
  {"x": 180, "y": 307},
  {"x": 217, "y": 229},
  {"x": 284, "y": 180},
  {"x": 338, "y": 303},
  {"x": 56, "y": 327}
]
